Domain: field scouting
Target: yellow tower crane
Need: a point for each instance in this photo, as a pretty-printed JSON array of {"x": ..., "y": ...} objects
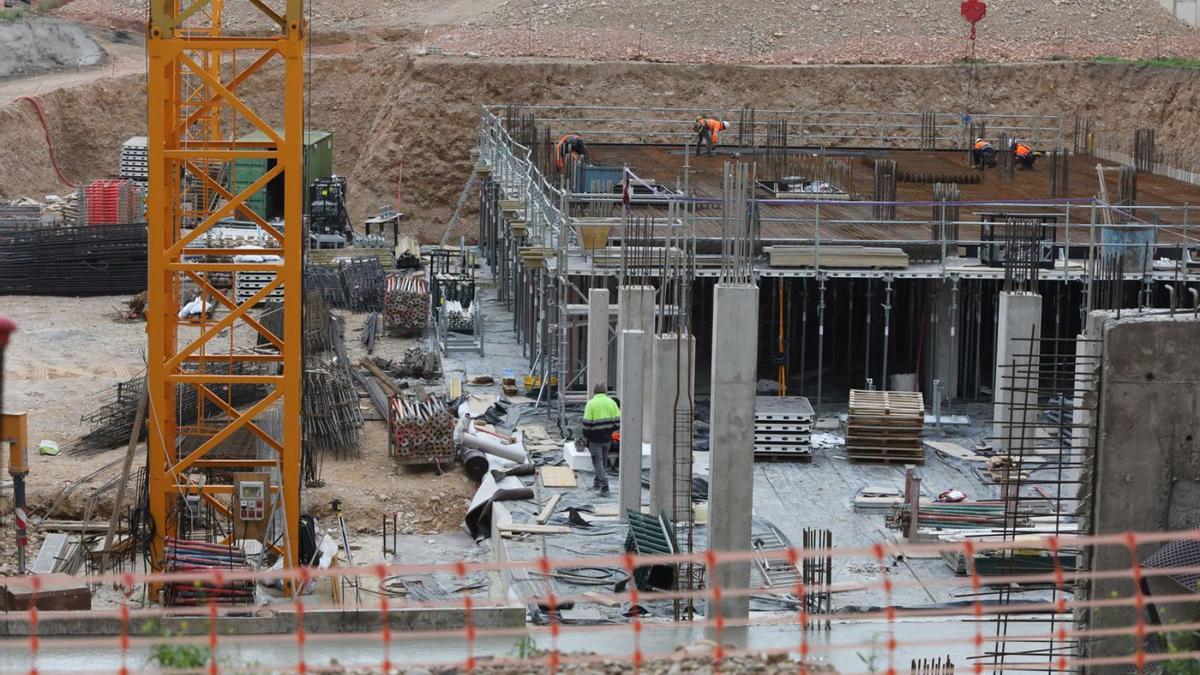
[{"x": 198, "y": 79}]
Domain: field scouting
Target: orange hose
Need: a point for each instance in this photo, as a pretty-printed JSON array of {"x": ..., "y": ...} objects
[{"x": 49, "y": 144}]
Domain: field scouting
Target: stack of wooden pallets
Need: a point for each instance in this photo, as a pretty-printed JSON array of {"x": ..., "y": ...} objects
[{"x": 886, "y": 426}]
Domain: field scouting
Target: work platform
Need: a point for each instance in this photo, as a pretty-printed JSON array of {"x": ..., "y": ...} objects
[{"x": 897, "y": 188}]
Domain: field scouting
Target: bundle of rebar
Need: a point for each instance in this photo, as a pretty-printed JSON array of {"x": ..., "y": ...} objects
[
  {"x": 739, "y": 215},
  {"x": 1060, "y": 173},
  {"x": 111, "y": 423},
  {"x": 775, "y": 152},
  {"x": 330, "y": 412},
  {"x": 406, "y": 305},
  {"x": 193, "y": 556},
  {"x": 1022, "y": 254},
  {"x": 326, "y": 282},
  {"x": 74, "y": 261},
  {"x": 363, "y": 280},
  {"x": 1143, "y": 149},
  {"x": 421, "y": 431},
  {"x": 1083, "y": 140},
  {"x": 945, "y": 212},
  {"x": 885, "y": 190},
  {"x": 928, "y": 139}
]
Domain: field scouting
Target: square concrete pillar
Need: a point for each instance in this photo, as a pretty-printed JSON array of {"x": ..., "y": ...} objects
[
  {"x": 597, "y": 339},
  {"x": 731, "y": 448},
  {"x": 674, "y": 368},
  {"x": 635, "y": 311},
  {"x": 634, "y": 371},
  {"x": 1019, "y": 316}
]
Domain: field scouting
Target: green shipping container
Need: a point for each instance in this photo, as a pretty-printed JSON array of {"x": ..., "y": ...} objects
[{"x": 268, "y": 203}]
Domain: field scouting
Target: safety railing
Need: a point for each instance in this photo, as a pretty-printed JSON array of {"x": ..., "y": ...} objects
[
  {"x": 1067, "y": 616},
  {"x": 514, "y": 168},
  {"x": 841, "y": 128}
]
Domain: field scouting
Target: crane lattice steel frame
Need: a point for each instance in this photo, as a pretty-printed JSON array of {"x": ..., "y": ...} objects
[{"x": 195, "y": 87}]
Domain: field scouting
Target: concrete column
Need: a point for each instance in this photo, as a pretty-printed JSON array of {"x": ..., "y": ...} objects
[
  {"x": 635, "y": 311},
  {"x": 671, "y": 374},
  {"x": 1087, "y": 362},
  {"x": 1145, "y": 477},
  {"x": 630, "y": 492},
  {"x": 731, "y": 452},
  {"x": 1019, "y": 316},
  {"x": 597, "y": 340}
]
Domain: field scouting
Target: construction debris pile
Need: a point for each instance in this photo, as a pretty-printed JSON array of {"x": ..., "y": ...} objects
[
  {"x": 406, "y": 305},
  {"x": 74, "y": 261}
]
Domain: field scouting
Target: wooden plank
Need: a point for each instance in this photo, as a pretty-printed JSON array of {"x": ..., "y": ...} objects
[
  {"x": 558, "y": 477},
  {"x": 50, "y": 553},
  {"x": 548, "y": 509}
]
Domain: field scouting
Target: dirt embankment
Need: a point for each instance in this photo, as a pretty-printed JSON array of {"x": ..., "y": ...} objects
[
  {"x": 387, "y": 109},
  {"x": 32, "y": 46}
]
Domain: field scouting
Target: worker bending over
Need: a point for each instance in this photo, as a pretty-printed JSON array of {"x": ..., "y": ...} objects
[
  {"x": 571, "y": 144},
  {"x": 1023, "y": 155},
  {"x": 983, "y": 155},
  {"x": 601, "y": 417},
  {"x": 707, "y": 129}
]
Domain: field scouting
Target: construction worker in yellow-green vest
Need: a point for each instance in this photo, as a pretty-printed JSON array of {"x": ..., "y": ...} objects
[{"x": 601, "y": 417}]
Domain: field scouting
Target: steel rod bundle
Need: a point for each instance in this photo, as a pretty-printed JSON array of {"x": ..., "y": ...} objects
[
  {"x": 327, "y": 283},
  {"x": 363, "y": 280},
  {"x": 406, "y": 305},
  {"x": 330, "y": 411},
  {"x": 190, "y": 556},
  {"x": 422, "y": 432},
  {"x": 111, "y": 423},
  {"x": 74, "y": 261}
]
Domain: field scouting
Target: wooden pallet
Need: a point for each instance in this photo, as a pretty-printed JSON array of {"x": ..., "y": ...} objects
[{"x": 886, "y": 427}]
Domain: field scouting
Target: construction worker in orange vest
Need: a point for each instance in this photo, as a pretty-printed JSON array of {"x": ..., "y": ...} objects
[
  {"x": 983, "y": 155},
  {"x": 571, "y": 144},
  {"x": 707, "y": 129},
  {"x": 1023, "y": 154}
]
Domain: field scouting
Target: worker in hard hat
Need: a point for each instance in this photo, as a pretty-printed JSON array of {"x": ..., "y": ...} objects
[
  {"x": 571, "y": 144},
  {"x": 601, "y": 417},
  {"x": 983, "y": 155},
  {"x": 707, "y": 129},
  {"x": 1023, "y": 155}
]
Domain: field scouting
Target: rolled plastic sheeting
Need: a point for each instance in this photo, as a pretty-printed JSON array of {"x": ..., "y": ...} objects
[
  {"x": 475, "y": 463},
  {"x": 479, "y": 516}
]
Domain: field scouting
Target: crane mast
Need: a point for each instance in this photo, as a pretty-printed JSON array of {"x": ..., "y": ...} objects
[{"x": 199, "y": 79}]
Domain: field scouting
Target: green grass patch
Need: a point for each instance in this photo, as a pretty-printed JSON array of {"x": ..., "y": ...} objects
[
  {"x": 12, "y": 14},
  {"x": 1164, "y": 62}
]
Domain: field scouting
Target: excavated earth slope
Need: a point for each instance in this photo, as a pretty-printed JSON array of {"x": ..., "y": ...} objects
[{"x": 387, "y": 108}]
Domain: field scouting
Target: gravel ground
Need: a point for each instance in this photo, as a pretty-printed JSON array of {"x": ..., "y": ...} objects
[{"x": 712, "y": 31}]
